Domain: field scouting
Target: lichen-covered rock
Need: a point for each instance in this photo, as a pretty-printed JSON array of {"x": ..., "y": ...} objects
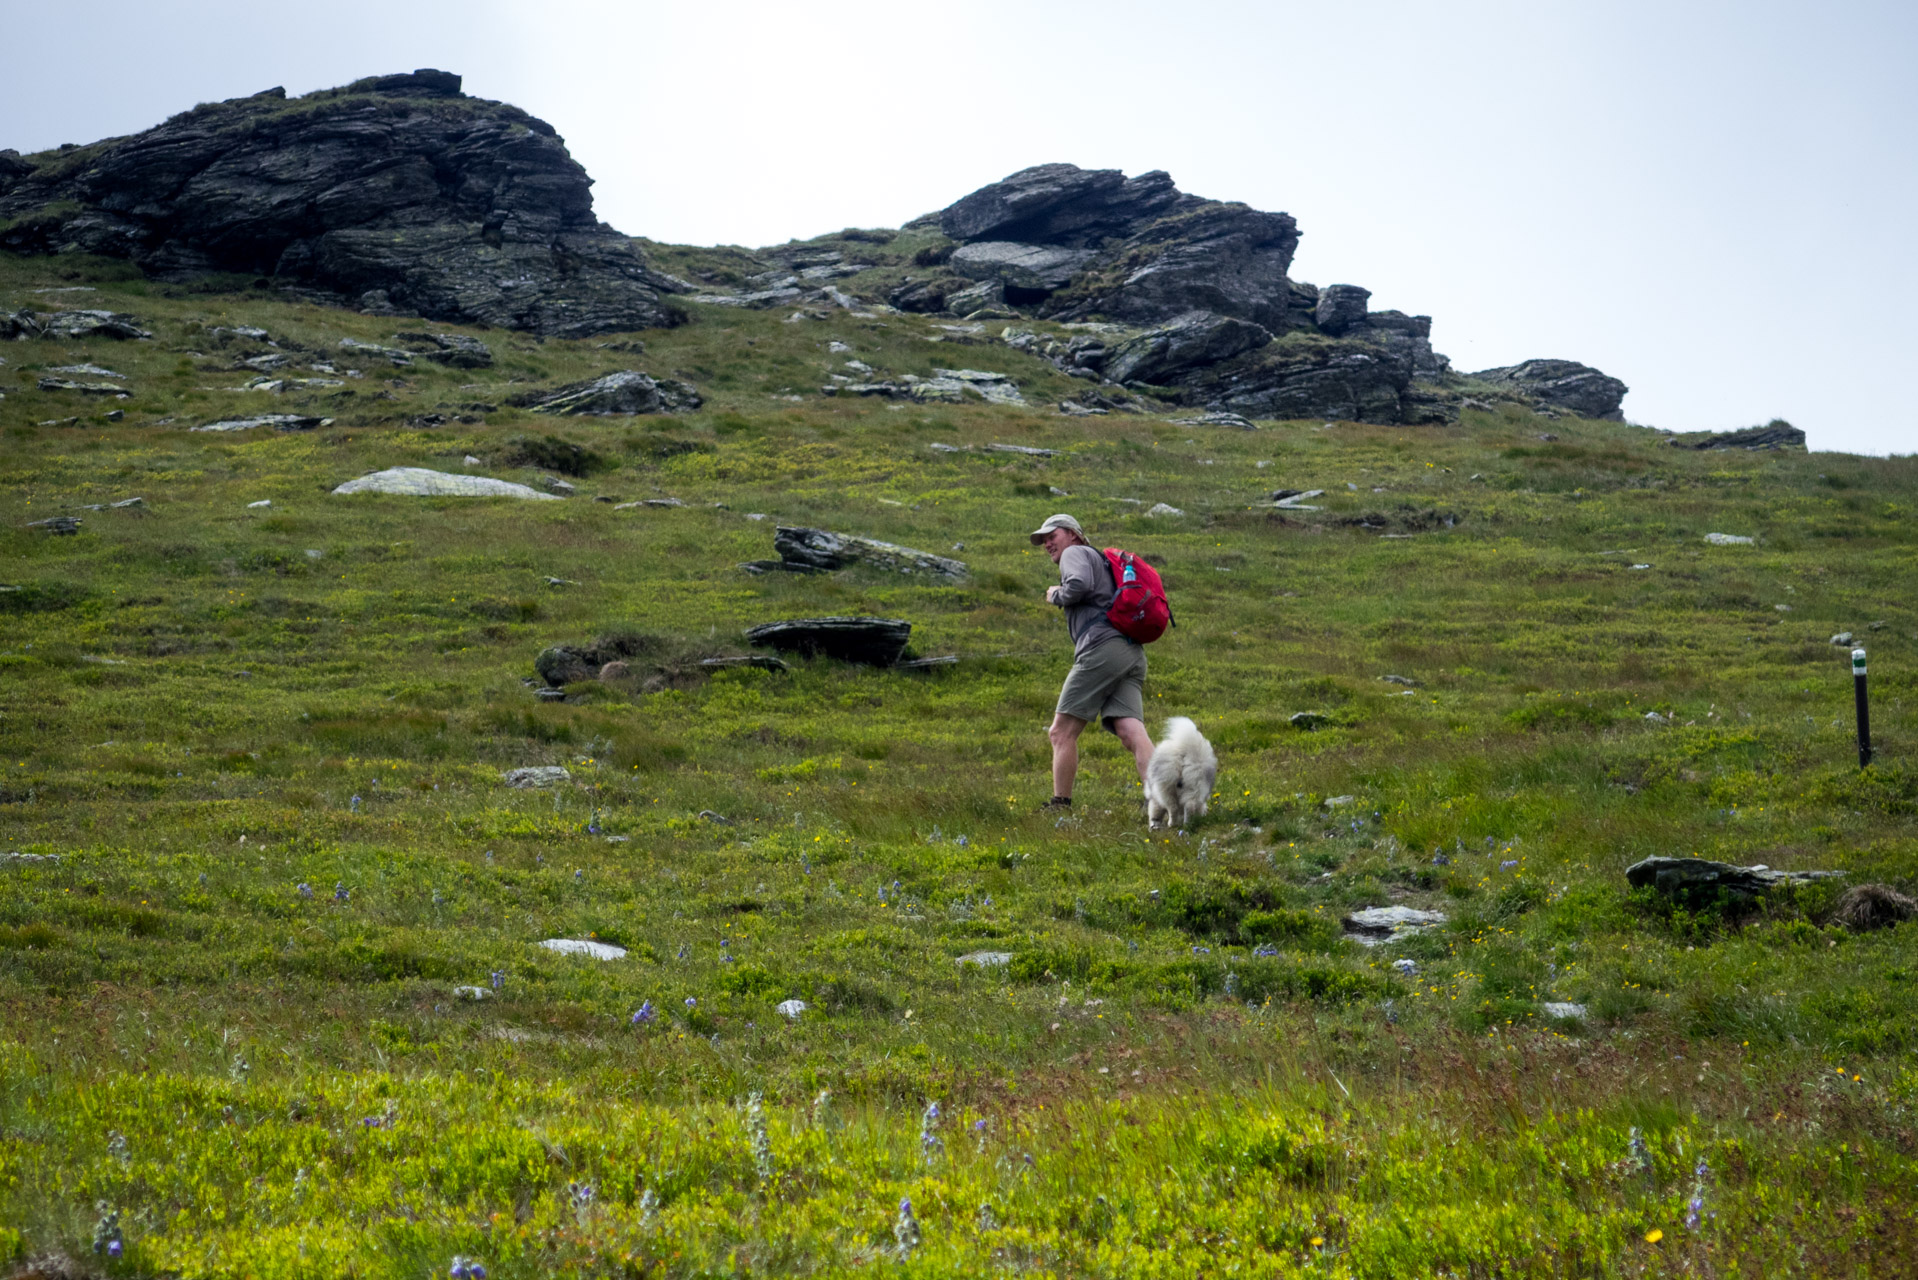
[
  {"x": 625, "y": 392},
  {"x": 68, "y": 324},
  {"x": 1303, "y": 376},
  {"x": 454, "y": 350},
  {"x": 1700, "y": 881},
  {"x": 820, "y": 549},
  {"x": 398, "y": 193},
  {"x": 1562, "y": 384}
]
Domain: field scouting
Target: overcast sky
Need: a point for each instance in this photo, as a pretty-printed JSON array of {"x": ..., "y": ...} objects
[{"x": 1711, "y": 201}]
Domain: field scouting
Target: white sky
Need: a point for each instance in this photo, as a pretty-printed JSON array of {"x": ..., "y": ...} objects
[{"x": 1713, "y": 201}]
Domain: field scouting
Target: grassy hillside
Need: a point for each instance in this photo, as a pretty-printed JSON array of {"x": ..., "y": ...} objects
[{"x": 206, "y": 704}]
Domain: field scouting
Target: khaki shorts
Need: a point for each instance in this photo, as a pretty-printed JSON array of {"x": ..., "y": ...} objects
[{"x": 1107, "y": 684}]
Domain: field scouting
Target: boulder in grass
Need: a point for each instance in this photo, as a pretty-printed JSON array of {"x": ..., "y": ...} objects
[
  {"x": 454, "y": 350},
  {"x": 1379, "y": 924},
  {"x": 584, "y": 947},
  {"x": 818, "y": 549},
  {"x": 625, "y": 392},
  {"x": 278, "y": 421},
  {"x": 1701, "y": 881},
  {"x": 875, "y": 642},
  {"x": 421, "y": 483},
  {"x": 536, "y": 775}
]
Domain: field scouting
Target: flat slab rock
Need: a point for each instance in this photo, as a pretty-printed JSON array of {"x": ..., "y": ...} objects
[
  {"x": 821, "y": 549},
  {"x": 876, "y": 642},
  {"x": 278, "y": 421},
  {"x": 1695, "y": 878},
  {"x": 985, "y": 959},
  {"x": 1379, "y": 924},
  {"x": 584, "y": 947},
  {"x": 538, "y": 775},
  {"x": 419, "y": 482}
]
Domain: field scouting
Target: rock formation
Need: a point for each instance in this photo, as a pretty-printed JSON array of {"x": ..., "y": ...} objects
[
  {"x": 395, "y": 193},
  {"x": 1562, "y": 384}
]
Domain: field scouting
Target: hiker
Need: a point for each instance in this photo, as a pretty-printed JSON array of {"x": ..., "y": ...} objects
[{"x": 1107, "y": 680}]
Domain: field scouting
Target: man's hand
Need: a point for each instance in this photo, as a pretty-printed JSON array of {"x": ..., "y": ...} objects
[{"x": 1050, "y": 593}]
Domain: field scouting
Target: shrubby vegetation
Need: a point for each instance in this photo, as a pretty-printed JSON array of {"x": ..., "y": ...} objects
[{"x": 264, "y": 745}]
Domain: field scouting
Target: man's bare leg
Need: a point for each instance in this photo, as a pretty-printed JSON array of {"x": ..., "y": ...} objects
[
  {"x": 1064, "y": 734},
  {"x": 1132, "y": 733}
]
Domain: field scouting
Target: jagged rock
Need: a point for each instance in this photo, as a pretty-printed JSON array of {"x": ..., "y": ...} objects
[
  {"x": 278, "y": 421},
  {"x": 67, "y": 324},
  {"x": 454, "y": 350},
  {"x": 65, "y": 526},
  {"x": 1309, "y": 719},
  {"x": 1145, "y": 252},
  {"x": 764, "y": 300},
  {"x": 625, "y": 392},
  {"x": 984, "y": 296},
  {"x": 876, "y": 642},
  {"x": 930, "y": 294},
  {"x": 1194, "y": 340},
  {"x": 1294, "y": 500},
  {"x": 1776, "y": 434},
  {"x": 820, "y": 550},
  {"x": 1564, "y": 384},
  {"x": 1700, "y": 881},
  {"x": 422, "y": 483},
  {"x": 1341, "y": 306},
  {"x": 396, "y": 188}
]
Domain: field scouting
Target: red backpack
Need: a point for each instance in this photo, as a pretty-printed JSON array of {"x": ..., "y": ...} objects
[{"x": 1139, "y": 610}]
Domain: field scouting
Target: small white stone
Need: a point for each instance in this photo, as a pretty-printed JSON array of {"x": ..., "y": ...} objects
[
  {"x": 791, "y": 1008},
  {"x": 472, "y": 993},
  {"x": 263, "y": 502}
]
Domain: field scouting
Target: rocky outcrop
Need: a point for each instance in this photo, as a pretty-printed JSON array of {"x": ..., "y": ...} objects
[
  {"x": 1302, "y": 375},
  {"x": 1561, "y": 384},
  {"x": 395, "y": 194},
  {"x": 1698, "y": 882},
  {"x": 1776, "y": 434},
  {"x": 20, "y": 325}
]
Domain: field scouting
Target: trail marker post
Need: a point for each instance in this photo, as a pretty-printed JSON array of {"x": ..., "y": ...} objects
[{"x": 1864, "y": 707}]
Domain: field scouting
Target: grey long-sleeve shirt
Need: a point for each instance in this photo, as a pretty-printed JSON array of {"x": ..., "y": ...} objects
[{"x": 1085, "y": 593}]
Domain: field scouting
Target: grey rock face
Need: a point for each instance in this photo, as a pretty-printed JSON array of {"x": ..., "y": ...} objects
[
  {"x": 422, "y": 483},
  {"x": 1698, "y": 881},
  {"x": 1304, "y": 376},
  {"x": 876, "y": 642},
  {"x": 398, "y": 188},
  {"x": 625, "y": 392},
  {"x": 1340, "y": 307},
  {"x": 84, "y": 388},
  {"x": 1020, "y": 268},
  {"x": 1379, "y": 924},
  {"x": 820, "y": 550},
  {"x": 1192, "y": 341},
  {"x": 1563, "y": 384},
  {"x": 537, "y": 775}
]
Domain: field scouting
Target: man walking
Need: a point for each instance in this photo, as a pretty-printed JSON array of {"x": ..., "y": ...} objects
[{"x": 1107, "y": 680}]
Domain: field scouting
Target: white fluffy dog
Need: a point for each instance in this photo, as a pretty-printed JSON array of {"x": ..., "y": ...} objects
[{"x": 1178, "y": 782}]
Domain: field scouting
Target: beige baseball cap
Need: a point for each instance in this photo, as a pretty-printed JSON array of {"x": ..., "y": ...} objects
[{"x": 1060, "y": 521}]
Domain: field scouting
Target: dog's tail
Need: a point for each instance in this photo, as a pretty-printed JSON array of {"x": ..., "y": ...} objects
[{"x": 1179, "y": 727}]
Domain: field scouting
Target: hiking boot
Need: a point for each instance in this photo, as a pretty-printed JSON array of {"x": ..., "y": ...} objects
[{"x": 1057, "y": 802}]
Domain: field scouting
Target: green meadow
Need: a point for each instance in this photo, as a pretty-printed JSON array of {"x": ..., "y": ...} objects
[{"x": 253, "y": 761}]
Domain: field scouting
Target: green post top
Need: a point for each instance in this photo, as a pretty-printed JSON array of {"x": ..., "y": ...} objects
[{"x": 1858, "y": 662}]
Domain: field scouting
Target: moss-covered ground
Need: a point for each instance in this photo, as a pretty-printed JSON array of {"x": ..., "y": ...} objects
[{"x": 265, "y": 746}]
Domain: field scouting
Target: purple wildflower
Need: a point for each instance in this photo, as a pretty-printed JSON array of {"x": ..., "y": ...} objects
[
  {"x": 340, "y": 891},
  {"x": 499, "y": 979},
  {"x": 645, "y": 1014},
  {"x": 304, "y": 889},
  {"x": 1508, "y": 864},
  {"x": 113, "y": 1248},
  {"x": 691, "y": 1002}
]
